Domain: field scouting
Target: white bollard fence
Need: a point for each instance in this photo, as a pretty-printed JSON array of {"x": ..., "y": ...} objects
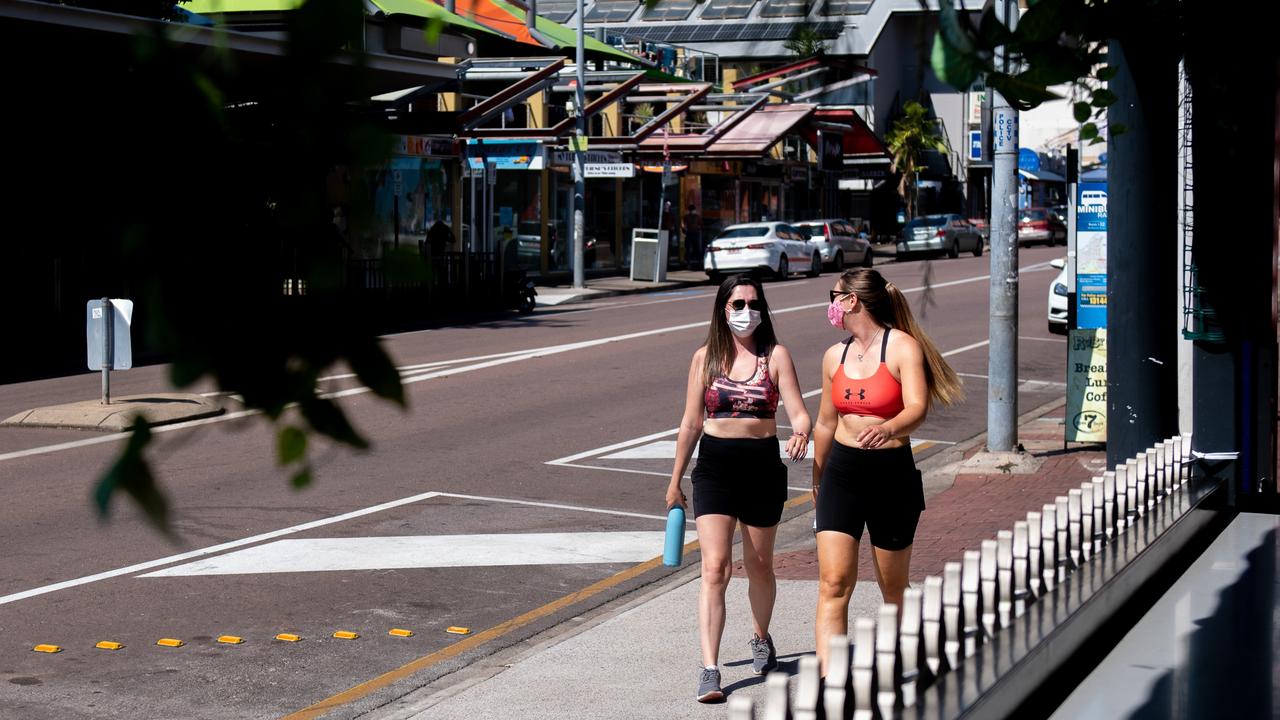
[{"x": 889, "y": 663}]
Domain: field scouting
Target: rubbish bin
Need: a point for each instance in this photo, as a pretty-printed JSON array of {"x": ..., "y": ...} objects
[{"x": 649, "y": 254}]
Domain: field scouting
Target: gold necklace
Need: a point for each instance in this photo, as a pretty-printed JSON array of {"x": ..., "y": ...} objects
[{"x": 867, "y": 347}]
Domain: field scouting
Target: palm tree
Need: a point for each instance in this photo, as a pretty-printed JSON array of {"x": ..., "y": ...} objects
[
  {"x": 911, "y": 136},
  {"x": 805, "y": 42}
]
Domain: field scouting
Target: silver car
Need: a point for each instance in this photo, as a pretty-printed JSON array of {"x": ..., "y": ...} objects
[
  {"x": 950, "y": 234},
  {"x": 839, "y": 243}
]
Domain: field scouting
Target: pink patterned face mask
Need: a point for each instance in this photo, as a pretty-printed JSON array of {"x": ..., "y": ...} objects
[{"x": 835, "y": 314}]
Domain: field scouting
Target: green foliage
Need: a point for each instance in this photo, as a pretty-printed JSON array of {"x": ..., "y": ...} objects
[
  {"x": 805, "y": 42},
  {"x": 131, "y": 474},
  {"x": 1055, "y": 42},
  {"x": 910, "y": 137},
  {"x": 207, "y": 185}
]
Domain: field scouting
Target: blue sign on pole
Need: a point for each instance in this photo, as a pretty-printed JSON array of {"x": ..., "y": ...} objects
[
  {"x": 975, "y": 144},
  {"x": 1028, "y": 160},
  {"x": 1091, "y": 255}
]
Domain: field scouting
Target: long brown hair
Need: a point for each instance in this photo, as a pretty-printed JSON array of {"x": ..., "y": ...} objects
[
  {"x": 889, "y": 307},
  {"x": 720, "y": 347}
]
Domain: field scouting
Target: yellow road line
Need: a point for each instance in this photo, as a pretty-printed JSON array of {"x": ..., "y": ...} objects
[{"x": 363, "y": 689}]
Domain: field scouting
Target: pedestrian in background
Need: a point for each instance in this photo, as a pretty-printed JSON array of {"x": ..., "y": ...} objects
[
  {"x": 693, "y": 238},
  {"x": 877, "y": 388},
  {"x": 739, "y": 478}
]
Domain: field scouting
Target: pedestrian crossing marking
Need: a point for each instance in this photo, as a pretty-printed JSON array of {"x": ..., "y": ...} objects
[{"x": 427, "y": 551}]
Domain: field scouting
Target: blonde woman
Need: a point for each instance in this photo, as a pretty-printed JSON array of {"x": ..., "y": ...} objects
[
  {"x": 877, "y": 388},
  {"x": 739, "y": 478}
]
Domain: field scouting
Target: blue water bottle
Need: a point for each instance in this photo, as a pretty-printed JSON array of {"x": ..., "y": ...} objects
[{"x": 675, "y": 537}]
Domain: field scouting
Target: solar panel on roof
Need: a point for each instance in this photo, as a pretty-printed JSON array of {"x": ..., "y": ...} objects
[
  {"x": 556, "y": 11},
  {"x": 727, "y": 9},
  {"x": 669, "y": 10},
  {"x": 846, "y": 7},
  {"x": 784, "y": 8},
  {"x": 611, "y": 11}
]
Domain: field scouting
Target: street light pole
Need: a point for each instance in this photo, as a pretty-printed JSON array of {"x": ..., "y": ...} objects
[
  {"x": 1002, "y": 371},
  {"x": 579, "y": 183}
]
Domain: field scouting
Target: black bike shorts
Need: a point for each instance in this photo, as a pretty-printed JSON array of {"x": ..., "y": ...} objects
[
  {"x": 878, "y": 489},
  {"x": 741, "y": 477}
]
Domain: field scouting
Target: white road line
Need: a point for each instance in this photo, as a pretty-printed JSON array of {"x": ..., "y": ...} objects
[
  {"x": 966, "y": 348},
  {"x": 610, "y": 448},
  {"x": 614, "y": 469},
  {"x": 139, "y": 567},
  {"x": 117, "y": 437},
  {"x": 567, "y": 460},
  {"x": 488, "y": 362},
  {"x": 554, "y": 506},
  {"x": 213, "y": 549},
  {"x": 1049, "y": 383}
]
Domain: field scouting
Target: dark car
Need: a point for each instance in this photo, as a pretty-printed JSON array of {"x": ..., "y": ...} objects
[{"x": 1040, "y": 225}]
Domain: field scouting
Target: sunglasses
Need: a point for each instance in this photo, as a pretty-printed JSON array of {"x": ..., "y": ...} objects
[
  {"x": 753, "y": 304},
  {"x": 836, "y": 294}
]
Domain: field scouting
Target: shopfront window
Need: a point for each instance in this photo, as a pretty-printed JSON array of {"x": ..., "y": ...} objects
[
  {"x": 409, "y": 195},
  {"x": 517, "y": 219}
]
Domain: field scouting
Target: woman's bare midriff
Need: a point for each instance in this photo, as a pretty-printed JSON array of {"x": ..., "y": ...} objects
[
  {"x": 740, "y": 427},
  {"x": 850, "y": 427}
]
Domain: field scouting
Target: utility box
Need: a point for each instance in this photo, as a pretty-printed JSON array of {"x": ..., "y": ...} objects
[{"x": 649, "y": 254}]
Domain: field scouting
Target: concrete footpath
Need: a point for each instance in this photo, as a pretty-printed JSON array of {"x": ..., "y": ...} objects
[
  {"x": 612, "y": 285},
  {"x": 638, "y": 656}
]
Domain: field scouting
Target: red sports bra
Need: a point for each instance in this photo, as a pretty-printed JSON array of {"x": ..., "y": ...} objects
[
  {"x": 877, "y": 396},
  {"x": 756, "y": 397}
]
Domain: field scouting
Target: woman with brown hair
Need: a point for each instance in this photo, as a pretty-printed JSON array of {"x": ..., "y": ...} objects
[
  {"x": 877, "y": 388},
  {"x": 739, "y": 478}
]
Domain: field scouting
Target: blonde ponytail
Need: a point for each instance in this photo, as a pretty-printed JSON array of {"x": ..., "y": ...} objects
[
  {"x": 889, "y": 306},
  {"x": 944, "y": 385}
]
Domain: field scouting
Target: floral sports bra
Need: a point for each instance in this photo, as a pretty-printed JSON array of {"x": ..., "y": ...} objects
[{"x": 755, "y": 397}]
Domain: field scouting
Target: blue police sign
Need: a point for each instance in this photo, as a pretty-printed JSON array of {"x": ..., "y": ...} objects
[{"x": 1028, "y": 160}]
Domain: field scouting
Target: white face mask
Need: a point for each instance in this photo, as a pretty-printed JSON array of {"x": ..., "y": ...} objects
[{"x": 744, "y": 322}]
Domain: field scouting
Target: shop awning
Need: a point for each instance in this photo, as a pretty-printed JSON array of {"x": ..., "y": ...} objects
[
  {"x": 859, "y": 140},
  {"x": 509, "y": 19},
  {"x": 759, "y": 131},
  {"x": 1042, "y": 176},
  {"x": 411, "y": 8}
]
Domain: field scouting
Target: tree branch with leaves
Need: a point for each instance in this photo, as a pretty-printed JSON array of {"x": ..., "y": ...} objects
[{"x": 1054, "y": 43}]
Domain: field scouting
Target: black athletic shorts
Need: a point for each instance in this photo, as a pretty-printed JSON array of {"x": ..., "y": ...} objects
[
  {"x": 879, "y": 489},
  {"x": 741, "y": 477}
]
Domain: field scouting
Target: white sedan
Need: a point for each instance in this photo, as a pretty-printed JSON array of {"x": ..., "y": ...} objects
[
  {"x": 1058, "y": 299},
  {"x": 775, "y": 247}
]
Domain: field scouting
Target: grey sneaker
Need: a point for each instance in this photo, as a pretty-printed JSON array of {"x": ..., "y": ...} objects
[
  {"x": 763, "y": 656},
  {"x": 709, "y": 686}
]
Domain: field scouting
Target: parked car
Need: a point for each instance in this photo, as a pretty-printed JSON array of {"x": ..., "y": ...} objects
[
  {"x": 950, "y": 234},
  {"x": 839, "y": 243},
  {"x": 1040, "y": 225},
  {"x": 764, "y": 246},
  {"x": 1058, "y": 298},
  {"x": 984, "y": 228},
  {"x": 1060, "y": 212}
]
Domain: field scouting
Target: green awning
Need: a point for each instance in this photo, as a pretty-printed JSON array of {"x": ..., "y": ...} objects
[
  {"x": 412, "y": 8},
  {"x": 567, "y": 37}
]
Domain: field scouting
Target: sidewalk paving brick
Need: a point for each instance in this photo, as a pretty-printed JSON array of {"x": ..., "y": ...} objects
[{"x": 977, "y": 505}]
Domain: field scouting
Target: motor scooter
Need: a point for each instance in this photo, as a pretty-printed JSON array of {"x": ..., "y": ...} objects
[{"x": 519, "y": 291}]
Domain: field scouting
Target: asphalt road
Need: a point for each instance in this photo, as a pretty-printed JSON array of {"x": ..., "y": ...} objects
[{"x": 529, "y": 467}]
